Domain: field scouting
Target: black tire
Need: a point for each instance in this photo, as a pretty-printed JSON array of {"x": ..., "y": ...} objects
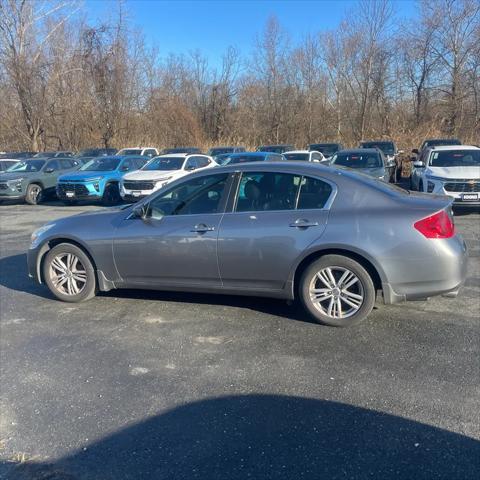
[
  {"x": 34, "y": 194},
  {"x": 86, "y": 288},
  {"x": 363, "y": 287},
  {"x": 111, "y": 195}
]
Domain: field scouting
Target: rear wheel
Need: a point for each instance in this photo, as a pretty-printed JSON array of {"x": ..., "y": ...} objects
[
  {"x": 337, "y": 291},
  {"x": 34, "y": 194},
  {"x": 111, "y": 195},
  {"x": 69, "y": 273}
]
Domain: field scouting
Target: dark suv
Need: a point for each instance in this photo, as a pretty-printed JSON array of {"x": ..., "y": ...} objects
[{"x": 33, "y": 179}]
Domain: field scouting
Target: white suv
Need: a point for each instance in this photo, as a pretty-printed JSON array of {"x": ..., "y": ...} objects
[
  {"x": 449, "y": 170},
  {"x": 160, "y": 171},
  {"x": 147, "y": 151}
]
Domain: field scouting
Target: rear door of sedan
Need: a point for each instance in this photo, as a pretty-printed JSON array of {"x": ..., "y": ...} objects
[{"x": 273, "y": 218}]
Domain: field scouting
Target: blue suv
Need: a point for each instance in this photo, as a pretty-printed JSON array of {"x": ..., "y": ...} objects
[{"x": 98, "y": 179}]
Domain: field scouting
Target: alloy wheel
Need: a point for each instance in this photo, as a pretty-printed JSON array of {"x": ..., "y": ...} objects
[
  {"x": 336, "y": 292},
  {"x": 67, "y": 273}
]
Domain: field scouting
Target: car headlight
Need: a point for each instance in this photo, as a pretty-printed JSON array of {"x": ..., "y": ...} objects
[
  {"x": 15, "y": 184},
  {"x": 35, "y": 238}
]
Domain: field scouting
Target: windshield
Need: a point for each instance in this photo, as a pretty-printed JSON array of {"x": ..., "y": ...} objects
[
  {"x": 182, "y": 150},
  {"x": 104, "y": 164},
  {"x": 220, "y": 150},
  {"x": 327, "y": 150},
  {"x": 165, "y": 163},
  {"x": 245, "y": 159},
  {"x": 95, "y": 152},
  {"x": 130, "y": 151},
  {"x": 297, "y": 156},
  {"x": 388, "y": 148},
  {"x": 27, "y": 166},
  {"x": 275, "y": 148},
  {"x": 455, "y": 158},
  {"x": 223, "y": 158},
  {"x": 358, "y": 160}
]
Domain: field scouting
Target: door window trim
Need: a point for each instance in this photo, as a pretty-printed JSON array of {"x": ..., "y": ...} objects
[
  {"x": 235, "y": 189},
  {"x": 221, "y": 205}
]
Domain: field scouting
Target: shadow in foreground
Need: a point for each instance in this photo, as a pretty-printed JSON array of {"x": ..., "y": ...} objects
[{"x": 267, "y": 437}]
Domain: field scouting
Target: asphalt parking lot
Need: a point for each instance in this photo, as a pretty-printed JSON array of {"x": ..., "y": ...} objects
[{"x": 138, "y": 384}]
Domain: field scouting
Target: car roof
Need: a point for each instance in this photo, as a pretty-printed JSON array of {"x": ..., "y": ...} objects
[
  {"x": 441, "y": 139},
  {"x": 275, "y": 145},
  {"x": 376, "y": 141},
  {"x": 252, "y": 154},
  {"x": 299, "y": 151},
  {"x": 360, "y": 151},
  {"x": 176, "y": 155},
  {"x": 453, "y": 147}
]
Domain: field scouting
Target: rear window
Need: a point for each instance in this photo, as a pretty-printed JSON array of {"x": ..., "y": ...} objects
[
  {"x": 388, "y": 148},
  {"x": 358, "y": 160},
  {"x": 297, "y": 156}
]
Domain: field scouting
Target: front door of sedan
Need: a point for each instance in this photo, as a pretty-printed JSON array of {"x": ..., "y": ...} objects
[
  {"x": 275, "y": 218},
  {"x": 176, "y": 243}
]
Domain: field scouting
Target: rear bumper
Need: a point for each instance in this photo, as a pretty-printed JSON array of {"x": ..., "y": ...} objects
[{"x": 447, "y": 277}]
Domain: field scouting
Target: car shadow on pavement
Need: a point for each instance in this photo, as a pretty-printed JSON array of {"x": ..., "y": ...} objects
[
  {"x": 266, "y": 437},
  {"x": 270, "y": 306},
  {"x": 14, "y": 276}
]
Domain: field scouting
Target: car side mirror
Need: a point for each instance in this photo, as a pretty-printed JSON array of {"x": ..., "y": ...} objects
[
  {"x": 415, "y": 151},
  {"x": 49, "y": 170},
  {"x": 190, "y": 168},
  {"x": 418, "y": 164},
  {"x": 139, "y": 211},
  {"x": 391, "y": 163}
]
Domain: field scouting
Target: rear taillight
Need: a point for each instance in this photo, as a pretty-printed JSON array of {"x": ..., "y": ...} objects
[{"x": 439, "y": 225}]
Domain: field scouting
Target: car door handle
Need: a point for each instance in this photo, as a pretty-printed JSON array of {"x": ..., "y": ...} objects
[
  {"x": 202, "y": 228},
  {"x": 301, "y": 223}
]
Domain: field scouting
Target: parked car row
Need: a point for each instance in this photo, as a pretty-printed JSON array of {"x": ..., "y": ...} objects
[{"x": 134, "y": 173}]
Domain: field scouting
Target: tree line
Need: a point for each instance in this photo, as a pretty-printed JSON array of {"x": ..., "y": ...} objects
[{"x": 69, "y": 84}]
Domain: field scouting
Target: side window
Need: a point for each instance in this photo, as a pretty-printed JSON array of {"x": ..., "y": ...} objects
[
  {"x": 66, "y": 164},
  {"x": 191, "y": 163},
  {"x": 267, "y": 191},
  {"x": 314, "y": 193},
  {"x": 202, "y": 162},
  {"x": 316, "y": 157},
  {"x": 275, "y": 157},
  {"x": 150, "y": 152},
  {"x": 140, "y": 162},
  {"x": 53, "y": 165},
  {"x": 126, "y": 165},
  {"x": 197, "y": 196}
]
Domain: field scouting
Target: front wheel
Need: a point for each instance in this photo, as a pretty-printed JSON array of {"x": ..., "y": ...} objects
[
  {"x": 69, "y": 273},
  {"x": 34, "y": 194},
  {"x": 337, "y": 291},
  {"x": 111, "y": 195}
]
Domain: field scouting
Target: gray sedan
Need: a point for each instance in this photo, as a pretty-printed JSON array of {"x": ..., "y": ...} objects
[
  {"x": 330, "y": 237},
  {"x": 370, "y": 161}
]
